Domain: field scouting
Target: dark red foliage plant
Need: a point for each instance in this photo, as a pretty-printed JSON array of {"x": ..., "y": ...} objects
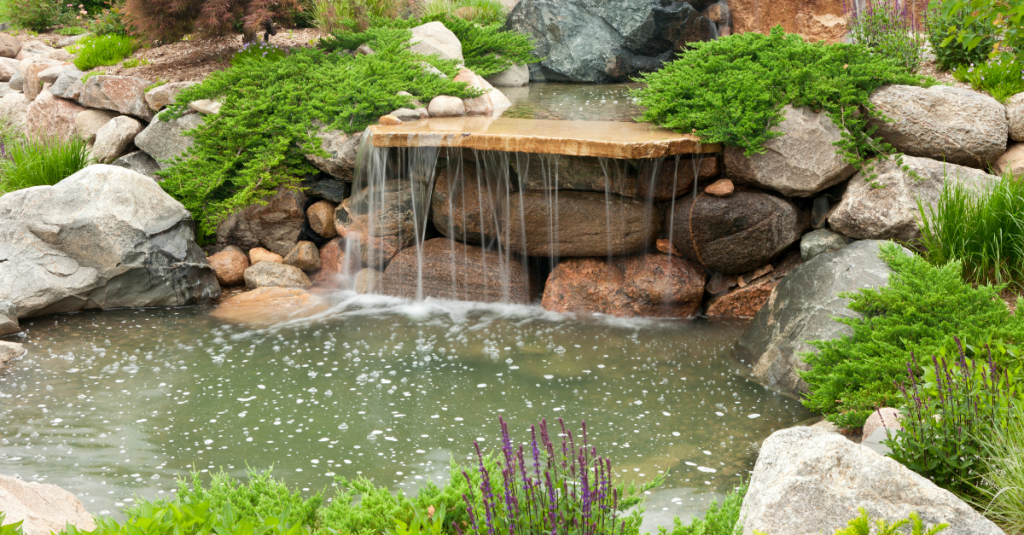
[{"x": 170, "y": 20}]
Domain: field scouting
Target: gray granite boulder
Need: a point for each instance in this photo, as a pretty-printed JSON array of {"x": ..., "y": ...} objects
[
  {"x": 114, "y": 137},
  {"x": 45, "y": 509},
  {"x": 887, "y": 207},
  {"x": 801, "y": 309},
  {"x": 945, "y": 123},
  {"x": 809, "y": 481},
  {"x": 105, "y": 237},
  {"x": 124, "y": 94},
  {"x": 8, "y": 318},
  {"x": 164, "y": 140},
  {"x": 801, "y": 163},
  {"x": 341, "y": 151},
  {"x": 1015, "y": 116},
  {"x": 820, "y": 241},
  {"x": 138, "y": 161},
  {"x": 69, "y": 84},
  {"x": 273, "y": 274}
]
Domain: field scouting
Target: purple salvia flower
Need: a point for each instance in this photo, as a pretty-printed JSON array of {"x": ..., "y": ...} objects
[
  {"x": 536, "y": 452},
  {"x": 551, "y": 503}
]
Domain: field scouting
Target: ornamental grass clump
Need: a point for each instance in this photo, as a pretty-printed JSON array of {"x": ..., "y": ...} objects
[
  {"x": 732, "y": 90},
  {"x": 38, "y": 161},
  {"x": 888, "y": 28},
  {"x": 1002, "y": 490}
]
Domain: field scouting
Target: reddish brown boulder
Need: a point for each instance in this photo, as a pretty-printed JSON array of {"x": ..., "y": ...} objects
[
  {"x": 229, "y": 265},
  {"x": 376, "y": 235},
  {"x": 456, "y": 207},
  {"x": 452, "y": 270},
  {"x": 336, "y": 268},
  {"x": 52, "y": 116},
  {"x": 304, "y": 256},
  {"x": 815, "y": 20},
  {"x": 321, "y": 218},
  {"x": 674, "y": 177},
  {"x": 9, "y": 48},
  {"x": 752, "y": 290},
  {"x": 649, "y": 285},
  {"x": 389, "y": 120},
  {"x": 30, "y": 69},
  {"x": 738, "y": 233},
  {"x": 275, "y": 225}
]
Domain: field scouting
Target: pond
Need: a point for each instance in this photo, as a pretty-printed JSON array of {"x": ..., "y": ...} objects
[
  {"x": 113, "y": 405},
  {"x": 573, "y": 102}
]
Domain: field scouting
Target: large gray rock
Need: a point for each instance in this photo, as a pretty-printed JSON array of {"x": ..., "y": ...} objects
[
  {"x": 8, "y": 318},
  {"x": 105, "y": 237},
  {"x": 273, "y": 274},
  {"x": 164, "y": 140},
  {"x": 274, "y": 225},
  {"x": 138, "y": 161},
  {"x": 433, "y": 38},
  {"x": 801, "y": 309},
  {"x": 69, "y": 84},
  {"x": 809, "y": 481},
  {"x": 13, "y": 107},
  {"x": 124, "y": 94},
  {"x": 607, "y": 40},
  {"x": 801, "y": 163},
  {"x": 341, "y": 151},
  {"x": 45, "y": 509},
  {"x": 887, "y": 207},
  {"x": 114, "y": 137},
  {"x": 943, "y": 123},
  {"x": 51, "y": 116},
  {"x": 1015, "y": 116}
]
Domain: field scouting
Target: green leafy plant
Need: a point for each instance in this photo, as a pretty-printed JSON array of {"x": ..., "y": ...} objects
[
  {"x": 88, "y": 75},
  {"x": 431, "y": 522},
  {"x": 920, "y": 310},
  {"x": 71, "y": 30},
  {"x": 14, "y": 528},
  {"x": 185, "y": 517},
  {"x": 109, "y": 21},
  {"x": 1001, "y": 496},
  {"x": 721, "y": 519},
  {"x": 940, "y": 24},
  {"x": 982, "y": 230},
  {"x": 732, "y": 90},
  {"x": 131, "y": 63},
  {"x": 38, "y": 161},
  {"x": 40, "y": 15},
  {"x": 862, "y": 526},
  {"x": 1002, "y": 76},
  {"x": 96, "y": 50},
  {"x": 258, "y": 140},
  {"x": 887, "y": 27},
  {"x": 1001, "y": 24}
]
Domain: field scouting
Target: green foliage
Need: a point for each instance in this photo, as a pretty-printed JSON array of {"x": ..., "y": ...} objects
[
  {"x": 40, "y": 15},
  {"x": 1000, "y": 23},
  {"x": 186, "y": 517},
  {"x": 732, "y": 90},
  {"x": 487, "y": 49},
  {"x": 332, "y": 15},
  {"x": 483, "y": 12},
  {"x": 862, "y": 526},
  {"x": 982, "y": 230},
  {"x": 953, "y": 54},
  {"x": 721, "y": 519},
  {"x": 888, "y": 28},
  {"x": 1002, "y": 77},
  {"x": 376, "y": 510},
  {"x": 945, "y": 415},
  {"x": 14, "y": 528},
  {"x": 131, "y": 63},
  {"x": 257, "y": 50},
  {"x": 921, "y": 310},
  {"x": 38, "y": 161},
  {"x": 96, "y": 50},
  {"x": 1002, "y": 489},
  {"x": 71, "y": 30},
  {"x": 430, "y": 523},
  {"x": 109, "y": 21},
  {"x": 88, "y": 75},
  {"x": 254, "y": 145}
]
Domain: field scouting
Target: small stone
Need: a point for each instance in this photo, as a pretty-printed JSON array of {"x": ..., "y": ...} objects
[
  {"x": 404, "y": 114},
  {"x": 887, "y": 417},
  {"x": 664, "y": 246},
  {"x": 205, "y": 106},
  {"x": 721, "y": 188},
  {"x": 164, "y": 95},
  {"x": 745, "y": 279},
  {"x": 263, "y": 274},
  {"x": 140, "y": 162},
  {"x": 1011, "y": 161},
  {"x": 321, "y": 218},
  {"x": 446, "y": 106},
  {"x": 820, "y": 241},
  {"x": 390, "y": 120},
  {"x": 259, "y": 254},
  {"x": 230, "y": 265},
  {"x": 369, "y": 281},
  {"x": 10, "y": 350},
  {"x": 337, "y": 269},
  {"x": 9, "y": 46},
  {"x": 304, "y": 256},
  {"x": 364, "y": 50}
]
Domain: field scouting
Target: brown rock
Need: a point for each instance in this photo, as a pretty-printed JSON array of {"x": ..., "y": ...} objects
[
  {"x": 88, "y": 122},
  {"x": 33, "y": 47},
  {"x": 337, "y": 269},
  {"x": 389, "y": 120},
  {"x": 632, "y": 286},
  {"x": 665, "y": 247},
  {"x": 576, "y": 173},
  {"x": 125, "y": 94},
  {"x": 275, "y": 225},
  {"x": 721, "y": 188},
  {"x": 674, "y": 177},
  {"x": 752, "y": 290},
  {"x": 715, "y": 13},
  {"x": 736, "y": 234},
  {"x": 163, "y": 95},
  {"x": 9, "y": 48},
  {"x": 321, "y": 218},
  {"x": 44, "y": 509},
  {"x": 720, "y": 283},
  {"x": 377, "y": 239},
  {"x": 13, "y": 107},
  {"x": 456, "y": 205},
  {"x": 263, "y": 274},
  {"x": 230, "y": 264},
  {"x": 52, "y": 116},
  {"x": 369, "y": 281},
  {"x": 304, "y": 256},
  {"x": 819, "y": 20},
  {"x": 1012, "y": 161},
  {"x": 259, "y": 254},
  {"x": 30, "y": 69},
  {"x": 446, "y": 106},
  {"x": 8, "y": 67},
  {"x": 746, "y": 279},
  {"x": 452, "y": 270},
  {"x": 267, "y": 306}
]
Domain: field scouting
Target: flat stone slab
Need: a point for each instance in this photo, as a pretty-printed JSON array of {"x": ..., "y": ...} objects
[{"x": 604, "y": 139}]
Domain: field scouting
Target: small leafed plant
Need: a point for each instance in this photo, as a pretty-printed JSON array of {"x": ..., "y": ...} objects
[
  {"x": 1001, "y": 25},
  {"x": 98, "y": 50},
  {"x": 862, "y": 526},
  {"x": 1002, "y": 76},
  {"x": 887, "y": 27},
  {"x": 941, "y": 24}
]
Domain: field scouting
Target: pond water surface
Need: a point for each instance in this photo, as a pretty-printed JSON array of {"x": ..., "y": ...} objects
[{"x": 113, "y": 405}]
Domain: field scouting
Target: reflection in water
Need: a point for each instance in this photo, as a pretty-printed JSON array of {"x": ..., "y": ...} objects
[
  {"x": 573, "y": 102},
  {"x": 112, "y": 405}
]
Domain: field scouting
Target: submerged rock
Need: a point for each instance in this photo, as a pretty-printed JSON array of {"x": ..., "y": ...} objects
[
  {"x": 266, "y": 306},
  {"x": 809, "y": 481},
  {"x": 632, "y": 286},
  {"x": 105, "y": 237},
  {"x": 10, "y": 350},
  {"x": 44, "y": 509},
  {"x": 8, "y": 318}
]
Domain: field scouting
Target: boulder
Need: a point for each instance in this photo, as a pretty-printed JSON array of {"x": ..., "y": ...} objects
[
  {"x": 810, "y": 481},
  {"x": 944, "y": 123},
  {"x": 264, "y": 274},
  {"x": 163, "y": 95},
  {"x": 368, "y": 281},
  {"x": 587, "y": 41},
  {"x": 820, "y": 241},
  {"x": 341, "y": 153},
  {"x": 69, "y": 84},
  {"x": 229, "y": 264},
  {"x": 446, "y": 106},
  {"x": 205, "y": 106},
  {"x": 52, "y": 116},
  {"x": 337, "y": 269},
  {"x": 8, "y": 68},
  {"x": 456, "y": 206},
  {"x": 631, "y": 286},
  {"x": 673, "y": 177},
  {"x": 105, "y": 237},
  {"x": 13, "y": 107},
  {"x": 59, "y": 55},
  {"x": 124, "y": 94},
  {"x": 304, "y": 256},
  {"x": 275, "y": 225},
  {"x": 88, "y": 122},
  {"x": 114, "y": 137},
  {"x": 738, "y": 233},
  {"x": 8, "y": 318},
  {"x": 30, "y": 69},
  {"x": 375, "y": 239},
  {"x": 802, "y": 308},
  {"x": 330, "y": 190},
  {"x": 745, "y": 295},
  {"x": 259, "y": 254},
  {"x": 452, "y": 270},
  {"x": 887, "y": 207},
  {"x": 34, "y": 47},
  {"x": 434, "y": 38},
  {"x": 10, "y": 350},
  {"x": 164, "y": 140},
  {"x": 514, "y": 76},
  {"x": 574, "y": 173},
  {"x": 822, "y": 20},
  {"x": 17, "y": 82},
  {"x": 801, "y": 163},
  {"x": 1011, "y": 162},
  {"x": 321, "y": 218},
  {"x": 269, "y": 305},
  {"x": 69, "y": 40},
  {"x": 405, "y": 114},
  {"x": 44, "y": 509},
  {"x": 138, "y": 161},
  {"x": 9, "y": 46},
  {"x": 1015, "y": 116},
  {"x": 50, "y": 74}
]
